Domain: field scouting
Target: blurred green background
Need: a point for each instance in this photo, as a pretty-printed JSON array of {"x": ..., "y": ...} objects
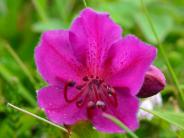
[{"x": 22, "y": 22}]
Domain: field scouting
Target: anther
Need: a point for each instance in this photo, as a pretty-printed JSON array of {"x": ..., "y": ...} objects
[
  {"x": 100, "y": 104},
  {"x": 109, "y": 94},
  {"x": 66, "y": 86},
  {"x": 91, "y": 104},
  {"x": 71, "y": 83},
  {"x": 111, "y": 91}
]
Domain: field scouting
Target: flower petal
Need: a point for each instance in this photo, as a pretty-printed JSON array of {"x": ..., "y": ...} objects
[
  {"x": 154, "y": 82},
  {"x": 125, "y": 112},
  {"x": 54, "y": 58},
  {"x": 93, "y": 33},
  {"x": 129, "y": 60},
  {"x": 51, "y": 99}
]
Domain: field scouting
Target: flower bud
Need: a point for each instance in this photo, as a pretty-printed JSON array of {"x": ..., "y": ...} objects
[{"x": 154, "y": 82}]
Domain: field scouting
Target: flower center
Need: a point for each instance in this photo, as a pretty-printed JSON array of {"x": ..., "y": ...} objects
[{"x": 93, "y": 92}]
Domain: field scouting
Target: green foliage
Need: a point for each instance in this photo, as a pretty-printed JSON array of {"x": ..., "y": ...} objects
[
  {"x": 22, "y": 22},
  {"x": 174, "y": 118}
]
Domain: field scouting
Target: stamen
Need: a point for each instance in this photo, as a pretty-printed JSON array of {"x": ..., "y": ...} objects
[
  {"x": 96, "y": 93},
  {"x": 90, "y": 109},
  {"x": 110, "y": 94},
  {"x": 70, "y": 84},
  {"x": 81, "y": 102},
  {"x": 111, "y": 91},
  {"x": 85, "y": 78},
  {"x": 79, "y": 87},
  {"x": 101, "y": 81},
  {"x": 101, "y": 104},
  {"x": 91, "y": 104},
  {"x": 93, "y": 93}
]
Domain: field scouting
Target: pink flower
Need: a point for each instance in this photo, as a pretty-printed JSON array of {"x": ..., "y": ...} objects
[{"x": 91, "y": 69}]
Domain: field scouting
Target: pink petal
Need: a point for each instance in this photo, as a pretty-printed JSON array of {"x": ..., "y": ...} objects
[
  {"x": 93, "y": 33},
  {"x": 54, "y": 58},
  {"x": 125, "y": 112},
  {"x": 154, "y": 82},
  {"x": 129, "y": 60},
  {"x": 51, "y": 99}
]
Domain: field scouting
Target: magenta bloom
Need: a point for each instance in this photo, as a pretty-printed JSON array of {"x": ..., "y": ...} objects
[{"x": 91, "y": 69}]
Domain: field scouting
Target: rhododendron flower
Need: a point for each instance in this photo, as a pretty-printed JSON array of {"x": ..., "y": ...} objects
[{"x": 91, "y": 69}]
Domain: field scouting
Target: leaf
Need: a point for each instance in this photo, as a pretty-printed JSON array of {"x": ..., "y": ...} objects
[
  {"x": 50, "y": 25},
  {"x": 175, "y": 118},
  {"x": 162, "y": 23},
  {"x": 15, "y": 82},
  {"x": 124, "y": 10}
]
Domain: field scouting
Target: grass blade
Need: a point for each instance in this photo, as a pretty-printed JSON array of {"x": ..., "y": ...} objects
[
  {"x": 170, "y": 69},
  {"x": 40, "y": 10},
  {"x": 19, "y": 61},
  {"x": 37, "y": 117},
  {"x": 175, "y": 118},
  {"x": 120, "y": 124},
  {"x": 8, "y": 76},
  {"x": 85, "y": 4}
]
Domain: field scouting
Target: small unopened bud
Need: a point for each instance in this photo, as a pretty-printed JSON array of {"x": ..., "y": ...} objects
[{"x": 154, "y": 82}]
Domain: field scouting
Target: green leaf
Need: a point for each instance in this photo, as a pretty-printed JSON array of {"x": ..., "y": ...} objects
[
  {"x": 15, "y": 82},
  {"x": 175, "y": 118},
  {"x": 162, "y": 22},
  {"x": 50, "y": 25}
]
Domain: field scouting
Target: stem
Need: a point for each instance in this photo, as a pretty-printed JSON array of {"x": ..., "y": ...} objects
[
  {"x": 85, "y": 4},
  {"x": 19, "y": 61},
  {"x": 40, "y": 10},
  {"x": 120, "y": 124},
  {"x": 169, "y": 67},
  {"x": 37, "y": 117}
]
